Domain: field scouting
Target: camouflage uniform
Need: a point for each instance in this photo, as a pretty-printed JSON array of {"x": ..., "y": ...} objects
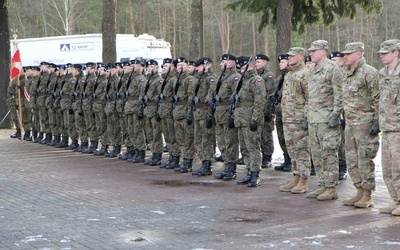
[
  {"x": 11, "y": 99},
  {"x": 360, "y": 103},
  {"x": 35, "y": 122},
  {"x": 88, "y": 114},
  {"x": 40, "y": 101},
  {"x": 49, "y": 103},
  {"x": 123, "y": 124},
  {"x": 66, "y": 105},
  {"x": 113, "y": 128},
  {"x": 325, "y": 100},
  {"x": 78, "y": 113},
  {"x": 99, "y": 92}
]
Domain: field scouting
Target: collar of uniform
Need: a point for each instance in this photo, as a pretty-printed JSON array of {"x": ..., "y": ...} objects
[
  {"x": 262, "y": 70},
  {"x": 297, "y": 67},
  {"x": 359, "y": 64},
  {"x": 317, "y": 68},
  {"x": 396, "y": 71}
]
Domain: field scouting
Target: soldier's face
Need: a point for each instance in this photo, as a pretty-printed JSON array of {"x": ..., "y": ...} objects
[
  {"x": 182, "y": 66},
  {"x": 166, "y": 67},
  {"x": 296, "y": 59},
  {"x": 309, "y": 65},
  {"x": 351, "y": 59},
  {"x": 388, "y": 58},
  {"x": 29, "y": 72},
  {"x": 317, "y": 55},
  {"x": 151, "y": 69},
  {"x": 283, "y": 64},
  {"x": 191, "y": 68},
  {"x": 261, "y": 63},
  {"x": 338, "y": 60}
]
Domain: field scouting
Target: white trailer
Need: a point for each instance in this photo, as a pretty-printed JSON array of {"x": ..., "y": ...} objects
[{"x": 88, "y": 48}]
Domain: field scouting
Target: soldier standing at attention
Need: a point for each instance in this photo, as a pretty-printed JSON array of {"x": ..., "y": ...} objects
[
  {"x": 324, "y": 109},
  {"x": 294, "y": 113},
  {"x": 361, "y": 105},
  {"x": 34, "y": 107},
  {"x": 389, "y": 122},
  {"x": 267, "y": 141},
  {"x": 338, "y": 58},
  {"x": 227, "y": 138},
  {"x": 249, "y": 118}
]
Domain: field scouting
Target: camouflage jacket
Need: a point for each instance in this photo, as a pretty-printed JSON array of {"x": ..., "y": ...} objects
[
  {"x": 112, "y": 91},
  {"x": 152, "y": 94},
  {"x": 165, "y": 108},
  {"x": 361, "y": 94},
  {"x": 295, "y": 94},
  {"x": 66, "y": 91},
  {"x": 42, "y": 89},
  {"x": 269, "y": 80},
  {"x": 98, "y": 93},
  {"x": 135, "y": 88},
  {"x": 325, "y": 92},
  {"x": 389, "y": 102},
  {"x": 181, "y": 108},
  {"x": 87, "y": 92},
  {"x": 51, "y": 87}
]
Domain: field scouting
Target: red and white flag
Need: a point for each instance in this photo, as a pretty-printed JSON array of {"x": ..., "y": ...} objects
[{"x": 16, "y": 64}]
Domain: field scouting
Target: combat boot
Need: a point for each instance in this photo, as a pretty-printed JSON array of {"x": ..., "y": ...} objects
[
  {"x": 130, "y": 150},
  {"x": 57, "y": 140},
  {"x": 49, "y": 139},
  {"x": 287, "y": 161},
  {"x": 342, "y": 172},
  {"x": 352, "y": 201},
  {"x": 266, "y": 161},
  {"x": 301, "y": 187},
  {"x": 219, "y": 158},
  {"x": 74, "y": 144},
  {"x": 288, "y": 186},
  {"x": 34, "y": 136},
  {"x": 155, "y": 159},
  {"x": 115, "y": 152},
  {"x": 187, "y": 167},
  {"x": 390, "y": 208},
  {"x": 396, "y": 212},
  {"x": 139, "y": 157},
  {"x": 230, "y": 173},
  {"x": 255, "y": 180},
  {"x": 174, "y": 163},
  {"x": 102, "y": 150},
  {"x": 92, "y": 148},
  {"x": 366, "y": 200},
  {"x": 246, "y": 179},
  {"x": 40, "y": 138},
  {"x": 316, "y": 193},
  {"x": 63, "y": 143},
  {"x": 240, "y": 161},
  {"x": 221, "y": 174},
  {"x": 45, "y": 138},
  {"x": 329, "y": 194},
  {"x": 17, "y": 134},
  {"x": 27, "y": 135},
  {"x": 205, "y": 169},
  {"x": 83, "y": 146},
  {"x": 165, "y": 164}
]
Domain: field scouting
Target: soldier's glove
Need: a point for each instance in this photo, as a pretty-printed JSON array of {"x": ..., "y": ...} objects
[
  {"x": 304, "y": 124},
  {"x": 189, "y": 119},
  {"x": 253, "y": 125},
  {"x": 211, "y": 103},
  {"x": 209, "y": 121},
  {"x": 232, "y": 99},
  {"x": 343, "y": 123},
  {"x": 158, "y": 99},
  {"x": 71, "y": 112},
  {"x": 374, "y": 130},
  {"x": 333, "y": 121},
  {"x": 158, "y": 118},
  {"x": 267, "y": 117},
  {"x": 140, "y": 114}
]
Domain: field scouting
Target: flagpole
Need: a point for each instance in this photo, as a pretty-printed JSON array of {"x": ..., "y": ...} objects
[{"x": 15, "y": 35}]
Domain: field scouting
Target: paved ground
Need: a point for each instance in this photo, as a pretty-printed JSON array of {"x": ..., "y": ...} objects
[{"x": 56, "y": 199}]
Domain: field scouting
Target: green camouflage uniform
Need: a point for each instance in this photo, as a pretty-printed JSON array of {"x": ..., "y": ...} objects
[
  {"x": 113, "y": 128},
  {"x": 35, "y": 122},
  {"x": 88, "y": 109},
  {"x": 40, "y": 101},
  {"x": 123, "y": 124},
  {"x": 77, "y": 107},
  {"x": 98, "y": 107},
  {"x": 66, "y": 105},
  {"x": 49, "y": 103}
]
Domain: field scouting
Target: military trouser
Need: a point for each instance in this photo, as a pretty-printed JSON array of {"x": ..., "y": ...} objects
[
  {"x": 69, "y": 124},
  {"x": 91, "y": 125},
  {"x": 184, "y": 137},
  {"x": 153, "y": 134},
  {"x": 391, "y": 163},
  {"x": 52, "y": 116},
  {"x": 26, "y": 124},
  {"x": 59, "y": 127},
  {"x": 267, "y": 140},
  {"x": 123, "y": 124},
  {"x": 136, "y": 131},
  {"x": 279, "y": 129},
  {"x": 113, "y": 129},
  {"x": 35, "y": 121},
  {"x": 44, "y": 119},
  {"x": 324, "y": 145},
  {"x": 228, "y": 143},
  {"x": 204, "y": 140},
  {"x": 298, "y": 148},
  {"x": 361, "y": 149},
  {"x": 168, "y": 130},
  {"x": 81, "y": 126},
  {"x": 101, "y": 126},
  {"x": 250, "y": 147}
]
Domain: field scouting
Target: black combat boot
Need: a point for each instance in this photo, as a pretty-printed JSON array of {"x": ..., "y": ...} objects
[
  {"x": 17, "y": 134},
  {"x": 205, "y": 169},
  {"x": 129, "y": 153},
  {"x": 73, "y": 145},
  {"x": 312, "y": 172},
  {"x": 115, "y": 152},
  {"x": 240, "y": 161},
  {"x": 255, "y": 180},
  {"x": 219, "y": 158},
  {"x": 139, "y": 157},
  {"x": 221, "y": 174},
  {"x": 285, "y": 163},
  {"x": 88, "y": 148},
  {"x": 63, "y": 143},
  {"x": 40, "y": 138},
  {"x": 174, "y": 163},
  {"x": 246, "y": 179},
  {"x": 230, "y": 174},
  {"x": 164, "y": 165},
  {"x": 27, "y": 135},
  {"x": 46, "y": 137},
  {"x": 155, "y": 159},
  {"x": 342, "y": 171},
  {"x": 57, "y": 140},
  {"x": 187, "y": 166},
  {"x": 84, "y": 146},
  {"x": 102, "y": 150},
  {"x": 266, "y": 161},
  {"x": 34, "y": 136},
  {"x": 178, "y": 169}
]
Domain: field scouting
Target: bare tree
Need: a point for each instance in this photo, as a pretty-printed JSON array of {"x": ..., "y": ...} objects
[
  {"x": 196, "y": 29},
  {"x": 109, "y": 31},
  {"x": 65, "y": 13},
  {"x": 5, "y": 62}
]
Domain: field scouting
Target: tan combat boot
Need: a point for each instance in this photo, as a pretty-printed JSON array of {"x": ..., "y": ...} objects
[
  {"x": 288, "y": 186},
  {"x": 389, "y": 209},
  {"x": 316, "y": 193},
  {"x": 366, "y": 200},
  {"x": 396, "y": 212},
  {"x": 351, "y": 201},
  {"x": 301, "y": 187},
  {"x": 329, "y": 194}
]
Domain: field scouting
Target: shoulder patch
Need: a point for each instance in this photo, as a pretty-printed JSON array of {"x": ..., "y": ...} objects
[
  {"x": 236, "y": 78},
  {"x": 269, "y": 76},
  {"x": 259, "y": 80},
  {"x": 212, "y": 80}
]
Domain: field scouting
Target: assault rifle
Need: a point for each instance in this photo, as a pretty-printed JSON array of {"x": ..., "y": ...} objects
[
  {"x": 37, "y": 87},
  {"x": 160, "y": 97},
  {"x": 46, "y": 90},
  {"x": 93, "y": 96},
  {"x": 54, "y": 94},
  {"x": 59, "y": 95},
  {"x": 74, "y": 94},
  {"x": 83, "y": 95},
  {"x": 126, "y": 91},
  {"x": 107, "y": 96},
  {"x": 277, "y": 96},
  {"x": 143, "y": 101},
  {"x": 216, "y": 97},
  {"x": 116, "y": 95},
  {"x": 175, "y": 98},
  {"x": 195, "y": 99}
]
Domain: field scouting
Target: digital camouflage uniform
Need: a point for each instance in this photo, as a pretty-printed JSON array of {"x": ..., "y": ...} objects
[
  {"x": 35, "y": 122},
  {"x": 121, "y": 88},
  {"x": 66, "y": 106},
  {"x": 78, "y": 113},
  {"x": 113, "y": 128},
  {"x": 361, "y": 105},
  {"x": 325, "y": 100},
  {"x": 99, "y": 92},
  {"x": 87, "y": 109},
  {"x": 49, "y": 103},
  {"x": 11, "y": 90},
  {"x": 40, "y": 101}
]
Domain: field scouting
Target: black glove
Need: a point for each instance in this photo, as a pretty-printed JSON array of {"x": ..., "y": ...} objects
[
  {"x": 211, "y": 103},
  {"x": 158, "y": 99},
  {"x": 333, "y": 121},
  {"x": 253, "y": 125},
  {"x": 158, "y": 118},
  {"x": 232, "y": 99},
  {"x": 209, "y": 121},
  {"x": 304, "y": 124},
  {"x": 71, "y": 111},
  {"x": 374, "y": 130},
  {"x": 343, "y": 123},
  {"x": 189, "y": 119},
  {"x": 140, "y": 114},
  {"x": 267, "y": 117}
]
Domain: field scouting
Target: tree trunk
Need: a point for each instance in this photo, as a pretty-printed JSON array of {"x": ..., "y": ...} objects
[
  {"x": 108, "y": 31},
  {"x": 5, "y": 62},
  {"x": 196, "y": 30},
  {"x": 283, "y": 27}
]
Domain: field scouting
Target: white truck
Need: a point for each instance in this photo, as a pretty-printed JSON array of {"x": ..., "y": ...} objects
[{"x": 88, "y": 48}]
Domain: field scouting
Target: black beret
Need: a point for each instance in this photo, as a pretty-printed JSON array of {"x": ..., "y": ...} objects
[
  {"x": 110, "y": 66},
  {"x": 261, "y": 57},
  {"x": 336, "y": 54},
  {"x": 69, "y": 65},
  {"x": 228, "y": 57},
  {"x": 36, "y": 68},
  {"x": 27, "y": 67},
  {"x": 307, "y": 59},
  {"x": 90, "y": 64},
  {"x": 203, "y": 60},
  {"x": 77, "y": 66},
  {"x": 126, "y": 63},
  {"x": 118, "y": 64},
  {"x": 135, "y": 61},
  {"x": 101, "y": 65},
  {"x": 52, "y": 65},
  {"x": 167, "y": 60},
  {"x": 192, "y": 63},
  {"x": 179, "y": 59},
  {"x": 241, "y": 61},
  {"x": 44, "y": 63},
  {"x": 283, "y": 57},
  {"x": 151, "y": 62}
]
